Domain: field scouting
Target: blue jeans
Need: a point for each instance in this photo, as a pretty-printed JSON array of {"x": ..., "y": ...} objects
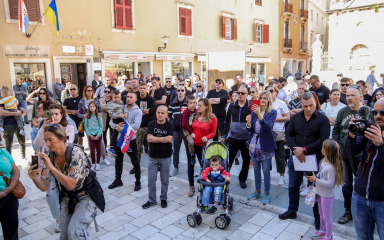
[
  {"x": 295, "y": 179},
  {"x": 25, "y": 106},
  {"x": 178, "y": 137},
  {"x": 366, "y": 213},
  {"x": 207, "y": 194},
  {"x": 266, "y": 171}
]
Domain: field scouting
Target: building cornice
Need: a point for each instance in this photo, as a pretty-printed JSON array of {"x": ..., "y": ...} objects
[{"x": 351, "y": 9}]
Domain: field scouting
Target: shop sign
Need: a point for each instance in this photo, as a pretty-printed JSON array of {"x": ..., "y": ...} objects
[
  {"x": 89, "y": 50},
  {"x": 174, "y": 57},
  {"x": 129, "y": 56},
  {"x": 25, "y": 51},
  {"x": 97, "y": 66},
  {"x": 69, "y": 49}
]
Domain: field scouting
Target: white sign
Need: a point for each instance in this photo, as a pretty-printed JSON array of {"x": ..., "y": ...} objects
[
  {"x": 25, "y": 51},
  {"x": 69, "y": 49},
  {"x": 97, "y": 66},
  {"x": 89, "y": 50},
  {"x": 226, "y": 61}
]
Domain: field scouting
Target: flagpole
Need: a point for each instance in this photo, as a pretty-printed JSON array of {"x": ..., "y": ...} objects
[{"x": 29, "y": 34}]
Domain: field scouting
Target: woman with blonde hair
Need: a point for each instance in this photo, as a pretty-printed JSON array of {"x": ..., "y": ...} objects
[
  {"x": 262, "y": 144},
  {"x": 200, "y": 91}
]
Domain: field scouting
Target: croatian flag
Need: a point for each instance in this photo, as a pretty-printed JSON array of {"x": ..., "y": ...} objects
[
  {"x": 125, "y": 138},
  {"x": 23, "y": 17}
]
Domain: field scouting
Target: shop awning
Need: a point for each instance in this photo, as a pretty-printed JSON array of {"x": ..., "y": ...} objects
[
  {"x": 124, "y": 55},
  {"x": 258, "y": 59},
  {"x": 175, "y": 56}
]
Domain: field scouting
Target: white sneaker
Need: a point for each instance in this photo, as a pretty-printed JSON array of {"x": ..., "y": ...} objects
[
  {"x": 303, "y": 193},
  {"x": 57, "y": 226},
  {"x": 195, "y": 174},
  {"x": 281, "y": 181},
  {"x": 106, "y": 162},
  {"x": 303, "y": 186},
  {"x": 174, "y": 172},
  {"x": 93, "y": 167},
  {"x": 97, "y": 168}
]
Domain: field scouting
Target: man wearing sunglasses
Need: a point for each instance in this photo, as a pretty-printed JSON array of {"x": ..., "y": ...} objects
[
  {"x": 368, "y": 195},
  {"x": 321, "y": 91},
  {"x": 236, "y": 134},
  {"x": 340, "y": 131},
  {"x": 169, "y": 88},
  {"x": 71, "y": 105},
  {"x": 174, "y": 93},
  {"x": 100, "y": 90},
  {"x": 345, "y": 83},
  {"x": 218, "y": 98}
]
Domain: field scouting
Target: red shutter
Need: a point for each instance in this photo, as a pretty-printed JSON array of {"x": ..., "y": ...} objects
[
  {"x": 13, "y": 9},
  {"x": 119, "y": 14},
  {"x": 183, "y": 25},
  {"x": 223, "y": 27},
  {"x": 234, "y": 33},
  {"x": 128, "y": 14},
  {"x": 188, "y": 21},
  {"x": 123, "y": 14},
  {"x": 265, "y": 33}
]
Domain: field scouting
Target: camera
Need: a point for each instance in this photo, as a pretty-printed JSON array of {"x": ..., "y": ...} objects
[{"x": 361, "y": 124}]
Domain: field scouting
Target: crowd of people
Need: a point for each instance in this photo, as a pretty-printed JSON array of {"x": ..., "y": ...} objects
[{"x": 311, "y": 121}]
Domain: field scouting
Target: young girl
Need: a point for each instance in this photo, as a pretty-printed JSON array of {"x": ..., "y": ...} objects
[
  {"x": 93, "y": 125},
  {"x": 331, "y": 174}
]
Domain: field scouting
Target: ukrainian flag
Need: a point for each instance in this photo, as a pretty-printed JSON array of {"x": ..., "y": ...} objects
[{"x": 52, "y": 15}]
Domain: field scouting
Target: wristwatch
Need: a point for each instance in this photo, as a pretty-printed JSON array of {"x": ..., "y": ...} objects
[
  {"x": 381, "y": 144},
  {"x": 304, "y": 150}
]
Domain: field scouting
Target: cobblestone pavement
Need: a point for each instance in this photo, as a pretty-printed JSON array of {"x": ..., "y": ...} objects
[{"x": 125, "y": 219}]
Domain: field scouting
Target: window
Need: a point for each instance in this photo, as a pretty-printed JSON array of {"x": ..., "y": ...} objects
[
  {"x": 32, "y": 73},
  {"x": 317, "y": 18},
  {"x": 322, "y": 20},
  {"x": 259, "y": 2},
  {"x": 185, "y": 21},
  {"x": 123, "y": 14},
  {"x": 229, "y": 28},
  {"x": 261, "y": 33},
  {"x": 33, "y": 8}
]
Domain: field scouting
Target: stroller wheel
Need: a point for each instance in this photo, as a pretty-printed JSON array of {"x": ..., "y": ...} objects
[
  {"x": 198, "y": 218},
  {"x": 191, "y": 220},
  {"x": 230, "y": 203},
  {"x": 228, "y": 219},
  {"x": 221, "y": 222}
]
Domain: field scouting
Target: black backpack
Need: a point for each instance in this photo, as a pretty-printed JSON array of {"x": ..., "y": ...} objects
[{"x": 91, "y": 185}]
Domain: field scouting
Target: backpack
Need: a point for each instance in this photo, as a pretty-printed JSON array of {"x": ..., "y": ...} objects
[{"x": 91, "y": 185}]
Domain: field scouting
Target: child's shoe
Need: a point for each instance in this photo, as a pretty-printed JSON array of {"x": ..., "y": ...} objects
[
  {"x": 327, "y": 238},
  {"x": 93, "y": 167},
  {"x": 22, "y": 132},
  {"x": 112, "y": 151},
  {"x": 204, "y": 208},
  {"x": 212, "y": 210},
  {"x": 97, "y": 168},
  {"x": 318, "y": 234}
]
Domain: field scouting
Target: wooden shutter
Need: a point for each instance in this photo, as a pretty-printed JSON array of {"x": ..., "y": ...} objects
[
  {"x": 259, "y": 2},
  {"x": 182, "y": 21},
  {"x": 265, "y": 33},
  {"x": 223, "y": 27},
  {"x": 119, "y": 14},
  {"x": 123, "y": 14},
  {"x": 33, "y": 9},
  {"x": 128, "y": 14},
  {"x": 234, "y": 29},
  {"x": 188, "y": 21}
]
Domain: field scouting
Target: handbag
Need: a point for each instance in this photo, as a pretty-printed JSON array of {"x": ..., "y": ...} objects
[
  {"x": 18, "y": 191},
  {"x": 279, "y": 136},
  {"x": 81, "y": 129},
  {"x": 311, "y": 196}
]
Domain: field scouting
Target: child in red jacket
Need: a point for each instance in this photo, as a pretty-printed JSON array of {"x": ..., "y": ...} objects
[
  {"x": 187, "y": 130},
  {"x": 215, "y": 174}
]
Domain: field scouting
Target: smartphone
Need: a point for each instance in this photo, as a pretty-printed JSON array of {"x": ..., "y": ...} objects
[
  {"x": 35, "y": 160},
  {"x": 253, "y": 103},
  {"x": 48, "y": 114}
]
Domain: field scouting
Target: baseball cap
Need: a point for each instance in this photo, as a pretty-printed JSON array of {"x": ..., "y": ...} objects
[
  {"x": 220, "y": 80},
  {"x": 340, "y": 74}
]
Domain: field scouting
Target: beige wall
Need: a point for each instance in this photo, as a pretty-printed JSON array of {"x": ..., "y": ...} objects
[{"x": 86, "y": 22}]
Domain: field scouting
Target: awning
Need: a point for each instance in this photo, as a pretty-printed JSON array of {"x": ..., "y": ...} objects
[
  {"x": 258, "y": 59},
  {"x": 123, "y": 55},
  {"x": 175, "y": 57}
]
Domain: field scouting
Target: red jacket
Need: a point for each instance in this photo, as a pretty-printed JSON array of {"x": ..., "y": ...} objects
[
  {"x": 185, "y": 120},
  {"x": 204, "y": 129},
  {"x": 208, "y": 171}
]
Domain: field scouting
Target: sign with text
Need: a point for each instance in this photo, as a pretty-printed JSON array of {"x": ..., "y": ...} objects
[
  {"x": 89, "y": 50},
  {"x": 69, "y": 49},
  {"x": 25, "y": 51},
  {"x": 129, "y": 56}
]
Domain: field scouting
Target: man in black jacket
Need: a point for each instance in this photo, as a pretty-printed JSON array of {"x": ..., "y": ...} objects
[
  {"x": 218, "y": 99},
  {"x": 305, "y": 134},
  {"x": 96, "y": 83},
  {"x": 368, "y": 196}
]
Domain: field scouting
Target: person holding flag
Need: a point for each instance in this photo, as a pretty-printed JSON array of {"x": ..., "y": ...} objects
[
  {"x": 127, "y": 139},
  {"x": 23, "y": 17}
]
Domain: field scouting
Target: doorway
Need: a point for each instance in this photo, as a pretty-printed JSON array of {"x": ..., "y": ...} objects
[
  {"x": 76, "y": 72},
  {"x": 144, "y": 68}
]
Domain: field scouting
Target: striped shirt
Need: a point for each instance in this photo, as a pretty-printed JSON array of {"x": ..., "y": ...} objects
[{"x": 10, "y": 103}]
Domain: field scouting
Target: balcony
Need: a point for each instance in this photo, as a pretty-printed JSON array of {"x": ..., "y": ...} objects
[
  {"x": 303, "y": 14},
  {"x": 303, "y": 46},
  {"x": 288, "y": 44},
  {"x": 288, "y": 9}
]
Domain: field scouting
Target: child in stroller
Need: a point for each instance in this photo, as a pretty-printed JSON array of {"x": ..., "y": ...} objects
[{"x": 213, "y": 174}]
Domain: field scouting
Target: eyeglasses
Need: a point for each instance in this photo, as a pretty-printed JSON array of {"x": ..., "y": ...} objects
[
  {"x": 219, "y": 82},
  {"x": 168, "y": 81},
  {"x": 42, "y": 93},
  {"x": 90, "y": 90},
  {"x": 107, "y": 91},
  {"x": 344, "y": 85},
  {"x": 180, "y": 90},
  {"x": 377, "y": 112},
  {"x": 73, "y": 89},
  {"x": 241, "y": 93}
]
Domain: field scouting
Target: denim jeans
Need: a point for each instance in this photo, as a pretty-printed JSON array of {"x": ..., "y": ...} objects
[
  {"x": 207, "y": 194},
  {"x": 52, "y": 197},
  {"x": 294, "y": 190},
  {"x": 178, "y": 137},
  {"x": 266, "y": 171},
  {"x": 366, "y": 213},
  {"x": 25, "y": 106},
  {"x": 153, "y": 166}
]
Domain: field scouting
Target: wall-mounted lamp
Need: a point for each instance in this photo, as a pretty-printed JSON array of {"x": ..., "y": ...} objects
[
  {"x": 250, "y": 48},
  {"x": 165, "y": 43}
]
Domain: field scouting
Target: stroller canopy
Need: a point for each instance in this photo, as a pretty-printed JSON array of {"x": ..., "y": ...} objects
[{"x": 214, "y": 149}]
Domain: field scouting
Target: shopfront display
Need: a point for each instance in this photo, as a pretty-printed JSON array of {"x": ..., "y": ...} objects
[
  {"x": 180, "y": 69},
  {"x": 32, "y": 74},
  {"x": 116, "y": 70}
]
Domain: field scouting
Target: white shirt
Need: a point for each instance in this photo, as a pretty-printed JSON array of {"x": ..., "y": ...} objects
[
  {"x": 282, "y": 95},
  {"x": 281, "y": 108},
  {"x": 331, "y": 111}
]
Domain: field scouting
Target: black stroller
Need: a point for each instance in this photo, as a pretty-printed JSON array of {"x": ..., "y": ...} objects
[{"x": 223, "y": 220}]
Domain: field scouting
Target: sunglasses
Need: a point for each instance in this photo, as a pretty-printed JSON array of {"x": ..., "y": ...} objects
[
  {"x": 241, "y": 93},
  {"x": 377, "y": 112},
  {"x": 344, "y": 85},
  {"x": 198, "y": 86},
  {"x": 252, "y": 91},
  {"x": 180, "y": 90},
  {"x": 73, "y": 89},
  {"x": 42, "y": 93},
  {"x": 218, "y": 82},
  {"x": 90, "y": 90},
  {"x": 107, "y": 91},
  {"x": 168, "y": 81}
]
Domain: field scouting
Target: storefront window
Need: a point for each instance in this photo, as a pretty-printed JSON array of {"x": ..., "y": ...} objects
[
  {"x": 116, "y": 70},
  {"x": 179, "y": 69},
  {"x": 32, "y": 75}
]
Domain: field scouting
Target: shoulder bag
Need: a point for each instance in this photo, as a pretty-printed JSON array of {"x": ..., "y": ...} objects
[{"x": 18, "y": 191}]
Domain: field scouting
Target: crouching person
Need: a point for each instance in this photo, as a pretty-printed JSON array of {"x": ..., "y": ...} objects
[{"x": 80, "y": 192}]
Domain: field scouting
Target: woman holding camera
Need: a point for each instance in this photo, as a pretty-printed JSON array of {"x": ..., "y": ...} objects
[
  {"x": 75, "y": 218},
  {"x": 58, "y": 116}
]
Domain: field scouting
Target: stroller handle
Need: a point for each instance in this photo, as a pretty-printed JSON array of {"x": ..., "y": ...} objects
[{"x": 220, "y": 184}]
